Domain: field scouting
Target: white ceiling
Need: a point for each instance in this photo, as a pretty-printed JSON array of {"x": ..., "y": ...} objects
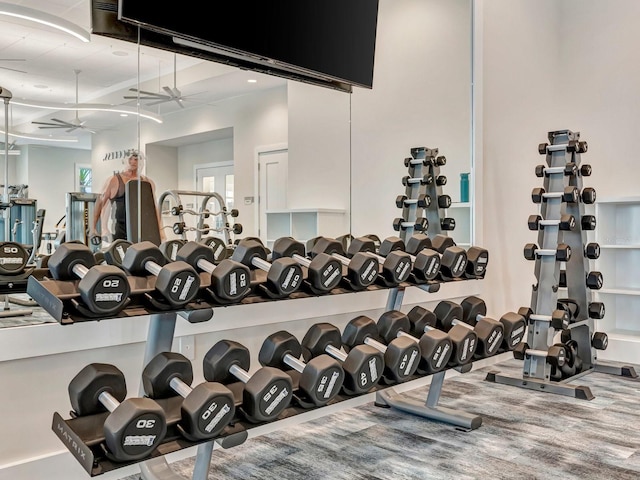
[{"x": 46, "y": 60}]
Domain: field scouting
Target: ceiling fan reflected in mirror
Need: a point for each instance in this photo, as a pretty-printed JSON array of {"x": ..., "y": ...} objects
[
  {"x": 172, "y": 94},
  {"x": 71, "y": 126},
  {"x": 3, "y": 60}
]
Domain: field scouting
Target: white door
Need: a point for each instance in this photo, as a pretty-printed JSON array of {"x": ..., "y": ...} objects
[
  {"x": 272, "y": 185},
  {"x": 215, "y": 178}
]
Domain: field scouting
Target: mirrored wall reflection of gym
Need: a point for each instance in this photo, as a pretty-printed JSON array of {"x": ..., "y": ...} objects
[{"x": 257, "y": 242}]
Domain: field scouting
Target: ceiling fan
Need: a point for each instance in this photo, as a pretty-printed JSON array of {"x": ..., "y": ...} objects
[
  {"x": 12, "y": 60},
  {"x": 173, "y": 94},
  {"x": 71, "y": 126}
]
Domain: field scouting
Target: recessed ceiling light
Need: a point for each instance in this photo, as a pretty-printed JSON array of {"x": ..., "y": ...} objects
[
  {"x": 40, "y": 86},
  {"x": 252, "y": 80},
  {"x": 120, "y": 53}
]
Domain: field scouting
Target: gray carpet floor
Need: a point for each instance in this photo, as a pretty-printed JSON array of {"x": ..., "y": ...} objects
[
  {"x": 23, "y": 313},
  {"x": 524, "y": 435}
]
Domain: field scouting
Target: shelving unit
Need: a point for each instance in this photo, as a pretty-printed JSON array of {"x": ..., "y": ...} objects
[
  {"x": 303, "y": 224},
  {"x": 618, "y": 233},
  {"x": 461, "y": 213}
]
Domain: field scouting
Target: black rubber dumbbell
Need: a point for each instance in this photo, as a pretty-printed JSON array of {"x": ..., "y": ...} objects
[
  {"x": 320, "y": 378},
  {"x": 435, "y": 345},
  {"x": 395, "y": 267},
  {"x": 556, "y": 354},
  {"x": 426, "y": 263},
  {"x": 266, "y": 393},
  {"x": 104, "y": 289},
  {"x": 514, "y": 324},
  {"x": 477, "y": 261},
  {"x": 558, "y": 320},
  {"x": 363, "y": 365},
  {"x": 324, "y": 272},
  {"x": 401, "y": 354},
  {"x": 135, "y": 426},
  {"x": 284, "y": 275},
  {"x": 463, "y": 340},
  {"x": 170, "y": 248},
  {"x": 114, "y": 253},
  {"x": 489, "y": 332},
  {"x": 177, "y": 282},
  {"x": 453, "y": 263},
  {"x": 230, "y": 280},
  {"x": 206, "y": 409},
  {"x": 362, "y": 268}
]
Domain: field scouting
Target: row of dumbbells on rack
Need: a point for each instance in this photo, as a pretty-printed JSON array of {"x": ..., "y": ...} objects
[
  {"x": 104, "y": 282},
  {"x": 323, "y": 367}
]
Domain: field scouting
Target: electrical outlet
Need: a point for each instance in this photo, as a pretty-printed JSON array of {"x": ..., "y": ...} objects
[{"x": 187, "y": 346}]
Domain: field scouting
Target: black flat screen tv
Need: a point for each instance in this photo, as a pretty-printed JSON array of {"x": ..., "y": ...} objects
[{"x": 328, "y": 42}]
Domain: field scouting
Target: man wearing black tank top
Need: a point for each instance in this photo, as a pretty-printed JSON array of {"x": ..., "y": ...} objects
[{"x": 113, "y": 194}]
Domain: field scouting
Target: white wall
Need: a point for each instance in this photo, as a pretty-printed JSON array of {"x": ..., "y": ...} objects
[
  {"x": 51, "y": 174},
  {"x": 553, "y": 65},
  {"x": 522, "y": 73},
  {"x": 421, "y": 96},
  {"x": 319, "y": 148}
]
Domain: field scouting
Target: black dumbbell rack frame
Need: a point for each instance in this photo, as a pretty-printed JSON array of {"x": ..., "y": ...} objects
[{"x": 536, "y": 374}]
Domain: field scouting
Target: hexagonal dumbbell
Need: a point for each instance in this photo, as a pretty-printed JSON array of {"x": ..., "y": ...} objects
[
  {"x": 555, "y": 355},
  {"x": 362, "y": 267},
  {"x": 464, "y": 340},
  {"x": 426, "y": 263},
  {"x": 206, "y": 410},
  {"x": 321, "y": 378},
  {"x": 114, "y": 253},
  {"x": 396, "y": 267},
  {"x": 177, "y": 282},
  {"x": 170, "y": 248},
  {"x": 266, "y": 393},
  {"x": 477, "y": 261},
  {"x": 135, "y": 427},
  {"x": 363, "y": 365},
  {"x": 559, "y": 318},
  {"x": 490, "y": 332},
  {"x": 435, "y": 345},
  {"x": 562, "y": 253},
  {"x": 104, "y": 289},
  {"x": 515, "y": 325},
  {"x": 401, "y": 354},
  {"x": 324, "y": 272},
  {"x": 230, "y": 280},
  {"x": 453, "y": 263},
  {"x": 284, "y": 275},
  {"x": 568, "y": 195}
]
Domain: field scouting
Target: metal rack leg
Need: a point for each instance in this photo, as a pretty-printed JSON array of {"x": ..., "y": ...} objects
[
  {"x": 159, "y": 339},
  {"x": 389, "y": 397}
]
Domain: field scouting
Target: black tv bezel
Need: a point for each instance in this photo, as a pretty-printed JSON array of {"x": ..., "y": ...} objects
[{"x": 189, "y": 45}]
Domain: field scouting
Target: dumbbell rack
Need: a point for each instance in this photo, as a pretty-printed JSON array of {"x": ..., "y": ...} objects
[
  {"x": 201, "y": 213},
  {"x": 424, "y": 168},
  {"x": 562, "y": 152}
]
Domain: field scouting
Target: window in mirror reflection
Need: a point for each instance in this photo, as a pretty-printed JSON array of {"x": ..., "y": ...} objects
[{"x": 84, "y": 178}]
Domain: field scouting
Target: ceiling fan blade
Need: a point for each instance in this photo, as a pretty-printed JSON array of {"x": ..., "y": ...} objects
[
  {"x": 52, "y": 127},
  {"x": 13, "y": 69},
  {"x": 62, "y": 122},
  {"x": 144, "y": 92},
  {"x": 158, "y": 102},
  {"x": 179, "y": 101}
]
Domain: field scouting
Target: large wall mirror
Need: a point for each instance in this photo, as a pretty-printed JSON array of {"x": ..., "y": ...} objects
[{"x": 292, "y": 158}]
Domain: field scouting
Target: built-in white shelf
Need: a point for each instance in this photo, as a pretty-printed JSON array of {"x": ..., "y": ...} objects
[
  {"x": 304, "y": 224},
  {"x": 618, "y": 234}
]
